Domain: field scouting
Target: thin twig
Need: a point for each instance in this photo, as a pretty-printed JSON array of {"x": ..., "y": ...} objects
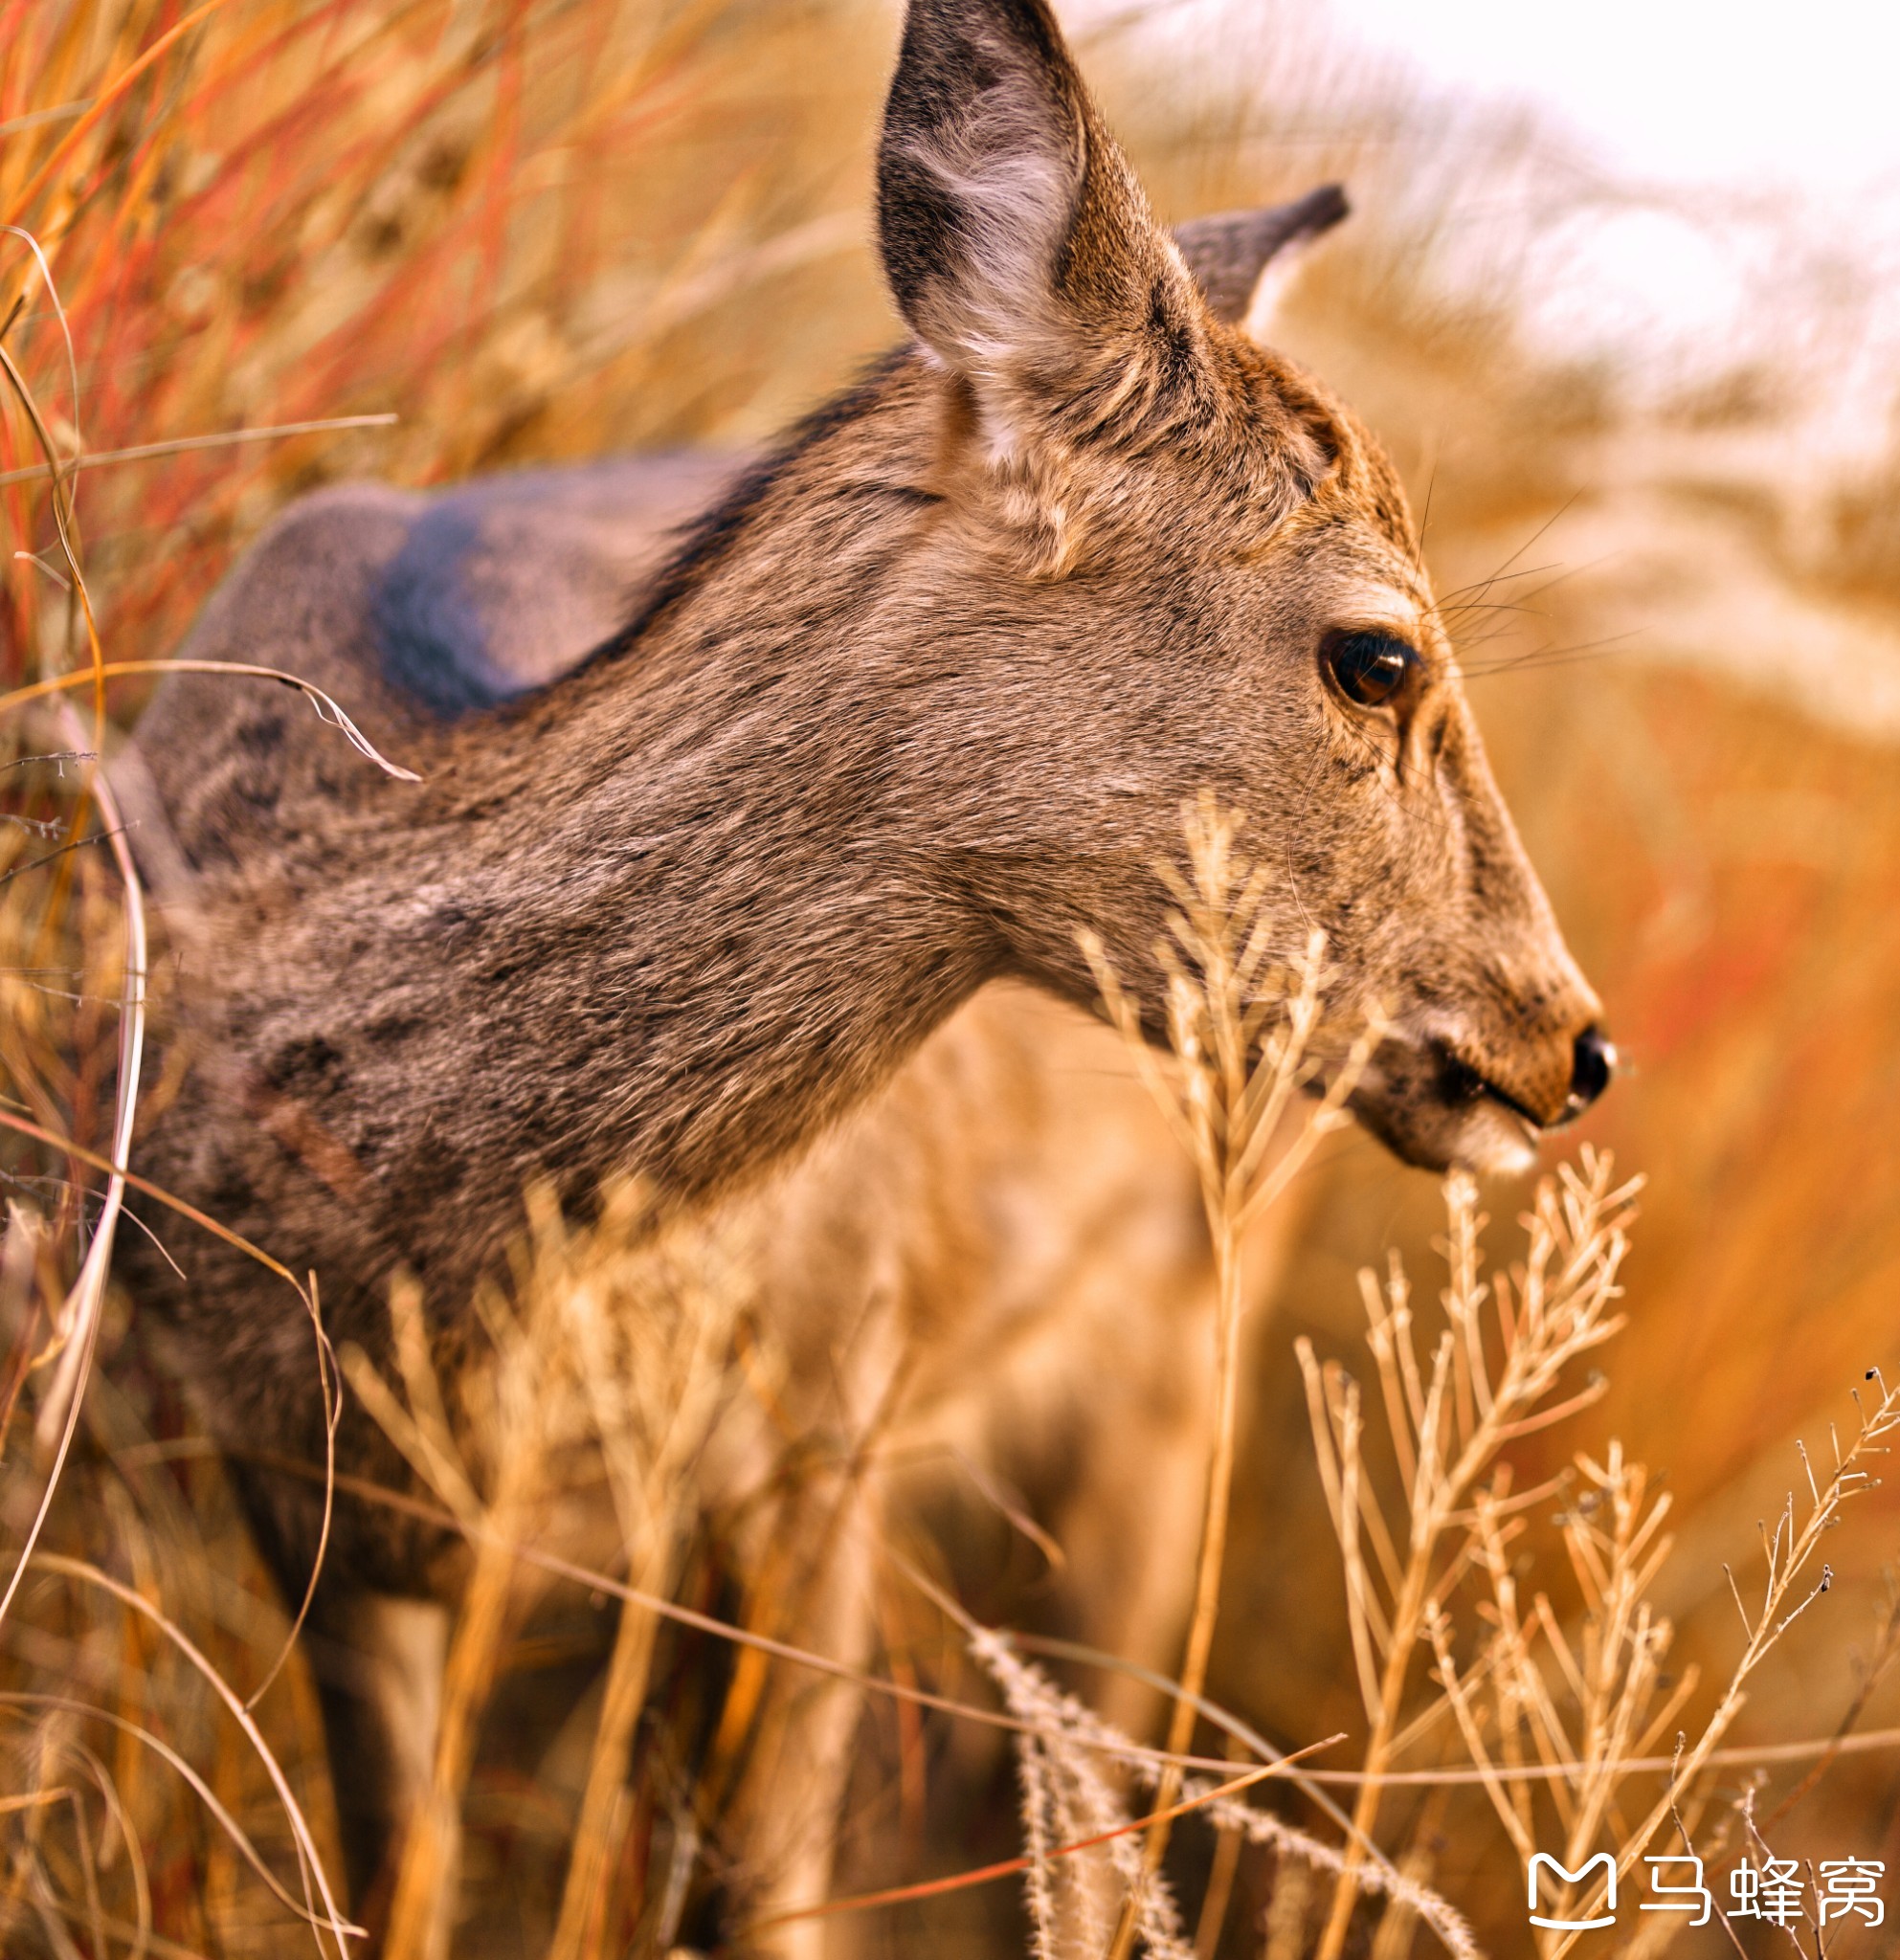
[{"x": 185, "y": 445}]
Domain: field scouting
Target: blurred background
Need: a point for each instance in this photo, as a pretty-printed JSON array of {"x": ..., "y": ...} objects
[{"x": 1620, "y": 293}]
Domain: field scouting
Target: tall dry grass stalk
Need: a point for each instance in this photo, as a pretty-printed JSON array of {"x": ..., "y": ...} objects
[
  {"x": 1559, "y": 1720},
  {"x": 1788, "y": 1587},
  {"x": 1448, "y": 1418},
  {"x": 615, "y": 1345},
  {"x": 1071, "y": 1806},
  {"x": 1244, "y": 1039}
]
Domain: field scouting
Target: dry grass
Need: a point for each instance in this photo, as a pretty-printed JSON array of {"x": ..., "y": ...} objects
[
  {"x": 528, "y": 230},
  {"x": 618, "y": 1347},
  {"x": 1449, "y": 1417},
  {"x": 1558, "y": 1721},
  {"x": 1242, "y": 1041}
]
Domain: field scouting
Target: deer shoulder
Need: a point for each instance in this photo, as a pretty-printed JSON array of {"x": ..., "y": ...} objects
[{"x": 410, "y": 611}]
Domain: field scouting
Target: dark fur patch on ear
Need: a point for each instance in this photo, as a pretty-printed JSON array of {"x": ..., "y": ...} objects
[
  {"x": 954, "y": 54},
  {"x": 1228, "y": 252}
]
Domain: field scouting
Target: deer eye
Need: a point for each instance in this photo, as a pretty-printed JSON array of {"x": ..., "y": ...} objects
[{"x": 1369, "y": 668}]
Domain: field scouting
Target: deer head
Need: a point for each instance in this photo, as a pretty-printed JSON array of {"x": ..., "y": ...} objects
[{"x": 1198, "y": 569}]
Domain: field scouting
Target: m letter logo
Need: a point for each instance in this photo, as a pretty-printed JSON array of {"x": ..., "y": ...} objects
[{"x": 1575, "y": 1878}]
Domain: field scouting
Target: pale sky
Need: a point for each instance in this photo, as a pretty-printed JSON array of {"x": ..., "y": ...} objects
[
  {"x": 1721, "y": 103},
  {"x": 1679, "y": 90}
]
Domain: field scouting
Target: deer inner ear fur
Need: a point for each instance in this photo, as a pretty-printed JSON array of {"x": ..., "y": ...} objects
[{"x": 1017, "y": 241}]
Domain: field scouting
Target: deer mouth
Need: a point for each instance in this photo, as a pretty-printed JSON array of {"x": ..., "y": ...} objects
[
  {"x": 1465, "y": 1084},
  {"x": 1432, "y": 1109}
]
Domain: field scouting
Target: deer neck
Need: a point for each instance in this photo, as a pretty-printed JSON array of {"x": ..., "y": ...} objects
[{"x": 728, "y": 851}]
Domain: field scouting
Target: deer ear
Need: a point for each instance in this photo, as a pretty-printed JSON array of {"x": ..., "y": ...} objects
[
  {"x": 1014, "y": 234},
  {"x": 1239, "y": 258}
]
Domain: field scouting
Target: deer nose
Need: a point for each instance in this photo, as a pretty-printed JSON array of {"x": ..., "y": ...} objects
[{"x": 1593, "y": 1062}]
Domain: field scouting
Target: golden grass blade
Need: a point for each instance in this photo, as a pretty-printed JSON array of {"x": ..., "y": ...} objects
[
  {"x": 331, "y": 1917},
  {"x": 157, "y": 1192},
  {"x": 1010, "y": 1868},
  {"x": 58, "y": 1413},
  {"x": 164, "y": 1751},
  {"x": 104, "y": 100},
  {"x": 190, "y": 445},
  {"x": 327, "y": 708},
  {"x": 78, "y": 1327},
  {"x": 1240, "y": 1042},
  {"x": 593, "y": 1580},
  {"x": 330, "y": 1388}
]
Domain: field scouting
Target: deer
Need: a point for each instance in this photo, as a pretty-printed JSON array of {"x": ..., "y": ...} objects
[{"x": 714, "y": 830}]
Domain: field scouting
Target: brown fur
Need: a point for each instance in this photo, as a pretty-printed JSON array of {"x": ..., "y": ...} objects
[{"x": 915, "y": 705}]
